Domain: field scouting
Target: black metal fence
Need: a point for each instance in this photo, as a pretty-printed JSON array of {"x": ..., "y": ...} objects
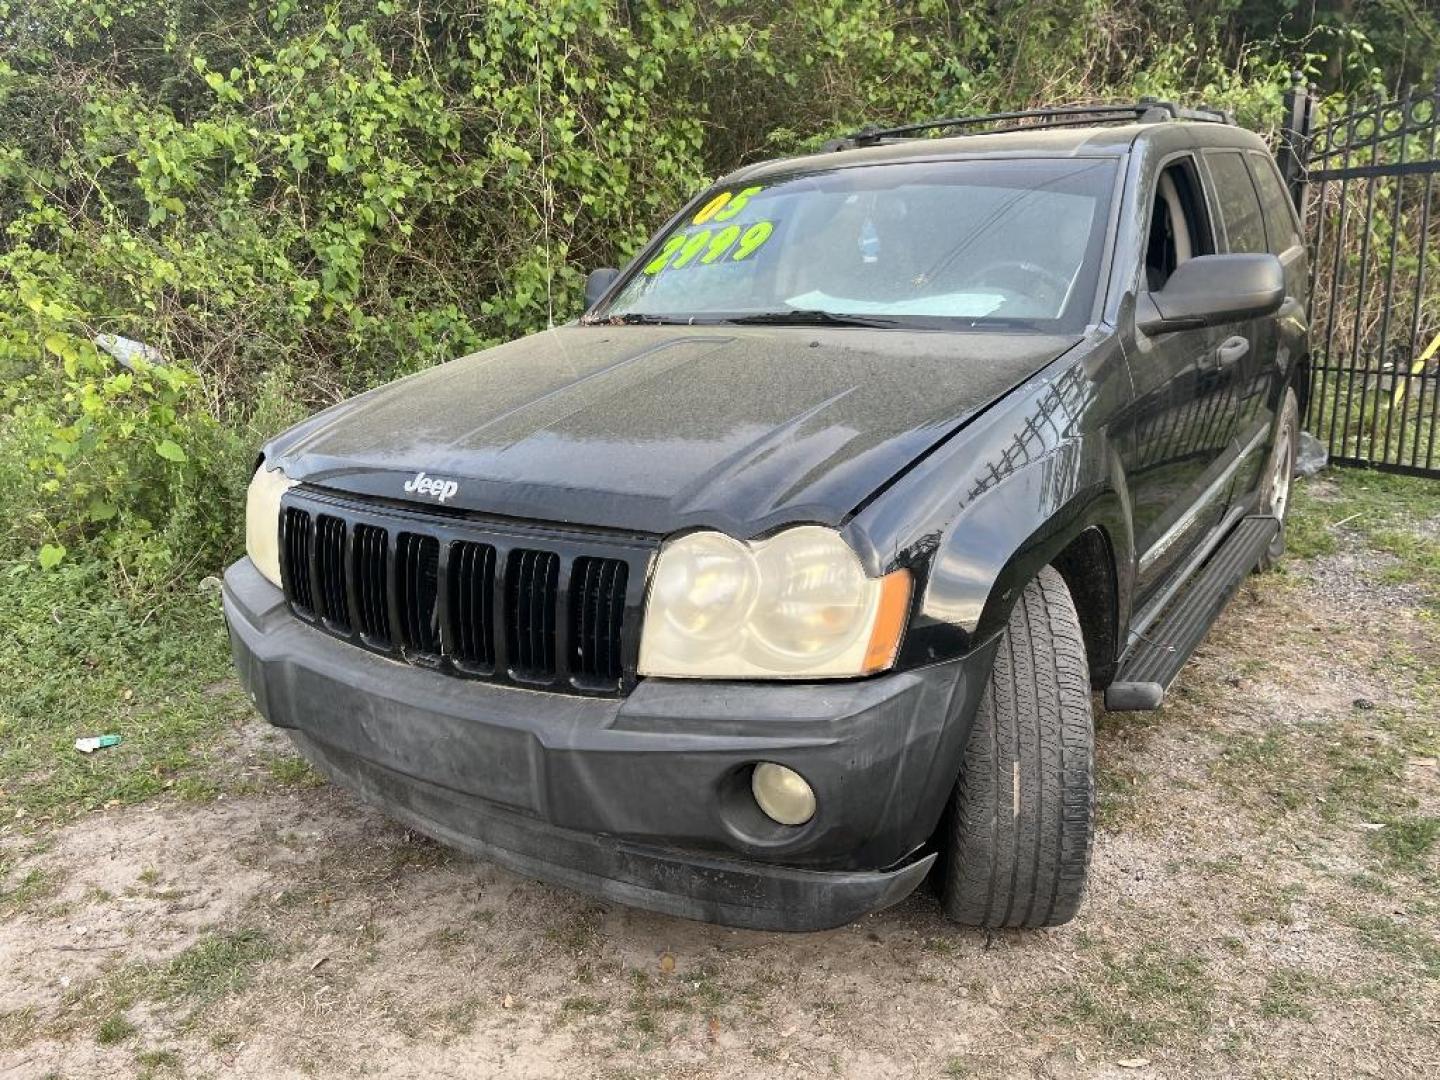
[{"x": 1366, "y": 186}]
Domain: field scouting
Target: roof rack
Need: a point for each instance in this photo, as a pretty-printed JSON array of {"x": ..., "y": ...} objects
[{"x": 1145, "y": 111}]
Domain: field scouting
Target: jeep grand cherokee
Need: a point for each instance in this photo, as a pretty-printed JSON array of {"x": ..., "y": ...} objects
[{"x": 781, "y": 580}]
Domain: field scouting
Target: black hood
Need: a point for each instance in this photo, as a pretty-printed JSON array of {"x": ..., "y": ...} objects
[{"x": 654, "y": 429}]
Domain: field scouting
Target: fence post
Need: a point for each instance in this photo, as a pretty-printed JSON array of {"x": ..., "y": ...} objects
[{"x": 1295, "y": 130}]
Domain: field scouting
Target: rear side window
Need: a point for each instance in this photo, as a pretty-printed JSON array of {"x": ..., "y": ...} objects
[
  {"x": 1279, "y": 211},
  {"x": 1239, "y": 205}
]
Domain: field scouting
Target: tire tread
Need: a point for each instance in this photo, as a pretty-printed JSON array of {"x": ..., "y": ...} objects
[{"x": 1034, "y": 725}]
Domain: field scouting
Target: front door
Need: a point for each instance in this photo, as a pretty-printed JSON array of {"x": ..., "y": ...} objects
[{"x": 1175, "y": 449}]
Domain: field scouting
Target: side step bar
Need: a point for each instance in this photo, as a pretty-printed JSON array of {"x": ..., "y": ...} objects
[{"x": 1153, "y": 660}]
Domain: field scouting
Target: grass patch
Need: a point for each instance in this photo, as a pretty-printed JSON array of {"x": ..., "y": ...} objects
[
  {"x": 291, "y": 770},
  {"x": 580, "y": 933},
  {"x": 582, "y": 1005},
  {"x": 114, "y": 1029},
  {"x": 458, "y": 1018},
  {"x": 1120, "y": 799},
  {"x": 961, "y": 1066},
  {"x": 1134, "y": 1000},
  {"x": 1363, "y": 778},
  {"x": 17, "y": 1027},
  {"x": 77, "y": 658},
  {"x": 150, "y": 1062},
  {"x": 1407, "y": 842},
  {"x": 1396, "y": 938},
  {"x": 1265, "y": 770},
  {"x": 219, "y": 965},
  {"x": 1384, "y": 511},
  {"x": 1288, "y": 995},
  {"x": 1272, "y": 904},
  {"x": 34, "y": 885}
]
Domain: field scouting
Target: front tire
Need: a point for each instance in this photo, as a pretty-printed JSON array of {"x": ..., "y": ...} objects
[{"x": 1016, "y": 840}]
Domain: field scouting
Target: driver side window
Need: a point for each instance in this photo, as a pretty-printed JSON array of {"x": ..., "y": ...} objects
[{"x": 1179, "y": 229}]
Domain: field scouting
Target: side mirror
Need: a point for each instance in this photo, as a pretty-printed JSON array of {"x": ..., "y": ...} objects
[
  {"x": 1212, "y": 289},
  {"x": 597, "y": 283}
]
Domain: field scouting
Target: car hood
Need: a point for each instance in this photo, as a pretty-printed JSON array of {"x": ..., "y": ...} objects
[{"x": 655, "y": 429}]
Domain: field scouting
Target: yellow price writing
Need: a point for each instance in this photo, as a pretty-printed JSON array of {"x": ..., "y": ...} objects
[{"x": 732, "y": 244}]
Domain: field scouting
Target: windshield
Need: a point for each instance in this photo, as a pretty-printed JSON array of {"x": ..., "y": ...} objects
[{"x": 951, "y": 244}]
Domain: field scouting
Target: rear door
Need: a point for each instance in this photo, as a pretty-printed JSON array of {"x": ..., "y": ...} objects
[
  {"x": 1242, "y": 229},
  {"x": 1285, "y": 241}
]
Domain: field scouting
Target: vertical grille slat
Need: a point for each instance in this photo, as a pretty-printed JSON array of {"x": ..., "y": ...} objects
[
  {"x": 586, "y": 615},
  {"x": 371, "y": 549},
  {"x": 297, "y": 559},
  {"x": 531, "y": 595},
  {"x": 417, "y": 578},
  {"x": 472, "y": 616},
  {"x": 330, "y": 569},
  {"x": 597, "y": 609},
  {"x": 612, "y": 612},
  {"x": 470, "y": 600}
]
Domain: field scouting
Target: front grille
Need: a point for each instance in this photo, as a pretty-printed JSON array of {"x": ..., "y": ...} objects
[{"x": 534, "y": 607}]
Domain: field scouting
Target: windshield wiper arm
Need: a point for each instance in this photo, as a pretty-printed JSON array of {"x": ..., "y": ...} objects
[
  {"x": 811, "y": 317},
  {"x": 636, "y": 318}
]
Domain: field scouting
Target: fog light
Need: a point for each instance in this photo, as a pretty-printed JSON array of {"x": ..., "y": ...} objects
[{"x": 782, "y": 793}]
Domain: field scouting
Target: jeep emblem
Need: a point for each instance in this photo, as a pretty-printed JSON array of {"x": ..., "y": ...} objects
[{"x": 432, "y": 485}]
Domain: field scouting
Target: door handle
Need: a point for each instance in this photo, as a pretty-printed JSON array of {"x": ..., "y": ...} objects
[{"x": 1231, "y": 351}]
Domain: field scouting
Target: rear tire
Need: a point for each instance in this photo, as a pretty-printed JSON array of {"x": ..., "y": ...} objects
[
  {"x": 1277, "y": 481},
  {"x": 1016, "y": 839}
]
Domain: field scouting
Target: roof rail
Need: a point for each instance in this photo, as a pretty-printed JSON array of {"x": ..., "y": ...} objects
[{"x": 1146, "y": 110}]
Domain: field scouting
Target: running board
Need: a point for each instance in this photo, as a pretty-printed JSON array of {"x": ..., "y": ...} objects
[{"x": 1156, "y": 657}]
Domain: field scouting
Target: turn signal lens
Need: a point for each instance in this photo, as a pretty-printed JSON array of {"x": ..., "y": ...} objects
[{"x": 889, "y": 621}]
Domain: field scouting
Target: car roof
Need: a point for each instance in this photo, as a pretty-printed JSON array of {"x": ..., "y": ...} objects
[{"x": 1090, "y": 141}]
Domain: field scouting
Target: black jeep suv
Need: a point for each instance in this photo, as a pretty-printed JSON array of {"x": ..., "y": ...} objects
[{"x": 781, "y": 580}]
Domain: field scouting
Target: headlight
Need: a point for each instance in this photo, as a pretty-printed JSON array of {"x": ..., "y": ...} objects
[
  {"x": 795, "y": 606},
  {"x": 262, "y": 520}
]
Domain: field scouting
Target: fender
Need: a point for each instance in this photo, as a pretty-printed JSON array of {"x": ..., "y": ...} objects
[
  {"x": 978, "y": 521},
  {"x": 1000, "y": 543}
]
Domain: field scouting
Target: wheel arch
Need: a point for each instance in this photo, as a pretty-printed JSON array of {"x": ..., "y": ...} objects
[
  {"x": 1087, "y": 566},
  {"x": 1300, "y": 379}
]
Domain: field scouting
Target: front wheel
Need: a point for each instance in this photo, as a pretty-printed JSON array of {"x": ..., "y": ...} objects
[
  {"x": 1275, "y": 483},
  {"x": 1016, "y": 840}
]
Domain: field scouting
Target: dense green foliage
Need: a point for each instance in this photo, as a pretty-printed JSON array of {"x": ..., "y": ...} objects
[{"x": 291, "y": 201}]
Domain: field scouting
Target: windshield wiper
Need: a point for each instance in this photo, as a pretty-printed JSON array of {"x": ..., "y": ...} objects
[
  {"x": 636, "y": 318},
  {"x": 811, "y": 317}
]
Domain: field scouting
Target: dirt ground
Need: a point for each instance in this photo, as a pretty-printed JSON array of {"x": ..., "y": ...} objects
[{"x": 1264, "y": 901}]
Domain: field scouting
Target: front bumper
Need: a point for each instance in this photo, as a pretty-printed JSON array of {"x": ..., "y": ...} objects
[{"x": 642, "y": 799}]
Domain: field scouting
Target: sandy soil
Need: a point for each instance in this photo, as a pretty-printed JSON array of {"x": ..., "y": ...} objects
[{"x": 1242, "y": 918}]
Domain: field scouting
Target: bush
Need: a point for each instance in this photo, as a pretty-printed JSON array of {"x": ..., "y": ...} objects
[{"x": 291, "y": 202}]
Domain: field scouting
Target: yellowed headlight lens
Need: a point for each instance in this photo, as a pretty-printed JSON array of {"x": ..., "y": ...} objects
[
  {"x": 797, "y": 605},
  {"x": 262, "y": 521}
]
